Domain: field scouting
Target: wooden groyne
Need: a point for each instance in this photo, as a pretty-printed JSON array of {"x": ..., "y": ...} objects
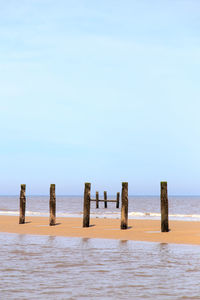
[
  {"x": 22, "y": 205},
  {"x": 117, "y": 200},
  {"x": 97, "y": 199},
  {"x": 87, "y": 202},
  {"x": 105, "y": 200},
  {"x": 86, "y": 205},
  {"x": 52, "y": 205},
  {"x": 124, "y": 209},
  {"x": 164, "y": 207}
]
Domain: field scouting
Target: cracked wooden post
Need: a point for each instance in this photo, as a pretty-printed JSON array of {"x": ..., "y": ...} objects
[
  {"x": 52, "y": 205},
  {"x": 86, "y": 205},
  {"x": 105, "y": 199},
  {"x": 117, "y": 203},
  {"x": 22, "y": 204},
  {"x": 97, "y": 199},
  {"x": 164, "y": 206},
  {"x": 124, "y": 207}
]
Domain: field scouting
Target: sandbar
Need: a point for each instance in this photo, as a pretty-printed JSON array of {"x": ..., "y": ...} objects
[{"x": 181, "y": 232}]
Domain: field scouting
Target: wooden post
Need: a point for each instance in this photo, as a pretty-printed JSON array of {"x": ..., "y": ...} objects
[
  {"x": 52, "y": 205},
  {"x": 124, "y": 207},
  {"x": 105, "y": 198},
  {"x": 86, "y": 205},
  {"x": 97, "y": 199},
  {"x": 117, "y": 203},
  {"x": 164, "y": 206},
  {"x": 22, "y": 204}
]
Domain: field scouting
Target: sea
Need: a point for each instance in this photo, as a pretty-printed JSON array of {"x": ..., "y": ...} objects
[{"x": 52, "y": 267}]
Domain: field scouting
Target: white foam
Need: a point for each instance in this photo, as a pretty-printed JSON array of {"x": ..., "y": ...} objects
[
  {"x": 158, "y": 215},
  {"x": 109, "y": 214},
  {"x": 12, "y": 213}
]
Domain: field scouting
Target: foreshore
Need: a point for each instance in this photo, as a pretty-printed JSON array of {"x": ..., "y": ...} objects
[{"x": 181, "y": 232}]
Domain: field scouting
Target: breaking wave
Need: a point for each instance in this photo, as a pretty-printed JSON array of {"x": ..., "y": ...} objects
[{"x": 108, "y": 214}]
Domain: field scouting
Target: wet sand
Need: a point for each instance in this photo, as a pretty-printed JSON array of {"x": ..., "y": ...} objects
[{"x": 181, "y": 232}]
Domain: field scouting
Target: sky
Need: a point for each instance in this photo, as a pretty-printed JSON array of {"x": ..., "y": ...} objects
[{"x": 102, "y": 92}]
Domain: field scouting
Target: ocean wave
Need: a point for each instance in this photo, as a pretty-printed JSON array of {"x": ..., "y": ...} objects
[
  {"x": 108, "y": 214},
  {"x": 152, "y": 214}
]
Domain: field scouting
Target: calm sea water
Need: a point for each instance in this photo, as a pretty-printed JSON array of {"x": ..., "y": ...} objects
[
  {"x": 48, "y": 267},
  {"x": 40, "y": 267},
  {"x": 180, "y": 208}
]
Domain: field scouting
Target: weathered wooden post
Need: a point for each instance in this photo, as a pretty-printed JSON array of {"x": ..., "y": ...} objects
[
  {"x": 117, "y": 199},
  {"x": 22, "y": 204},
  {"x": 164, "y": 206},
  {"x": 124, "y": 207},
  {"x": 105, "y": 199},
  {"x": 86, "y": 205},
  {"x": 97, "y": 199},
  {"x": 52, "y": 205}
]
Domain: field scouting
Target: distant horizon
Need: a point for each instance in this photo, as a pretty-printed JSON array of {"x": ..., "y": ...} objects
[{"x": 112, "y": 195}]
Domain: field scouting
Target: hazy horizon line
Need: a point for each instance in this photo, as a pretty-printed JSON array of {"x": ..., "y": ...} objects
[{"x": 81, "y": 195}]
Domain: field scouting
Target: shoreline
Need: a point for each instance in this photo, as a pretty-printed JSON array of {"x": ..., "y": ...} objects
[{"x": 181, "y": 232}]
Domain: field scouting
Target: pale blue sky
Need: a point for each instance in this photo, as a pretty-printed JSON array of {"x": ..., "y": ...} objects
[{"x": 100, "y": 91}]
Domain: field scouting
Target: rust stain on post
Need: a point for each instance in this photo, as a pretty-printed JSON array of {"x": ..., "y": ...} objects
[
  {"x": 105, "y": 199},
  {"x": 52, "y": 205},
  {"x": 164, "y": 206},
  {"x": 124, "y": 208},
  {"x": 86, "y": 205},
  {"x": 22, "y": 204}
]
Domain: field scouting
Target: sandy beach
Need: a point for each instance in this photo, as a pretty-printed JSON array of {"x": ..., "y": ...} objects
[{"x": 181, "y": 232}]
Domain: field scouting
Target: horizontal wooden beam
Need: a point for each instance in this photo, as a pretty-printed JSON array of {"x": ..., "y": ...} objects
[{"x": 103, "y": 200}]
